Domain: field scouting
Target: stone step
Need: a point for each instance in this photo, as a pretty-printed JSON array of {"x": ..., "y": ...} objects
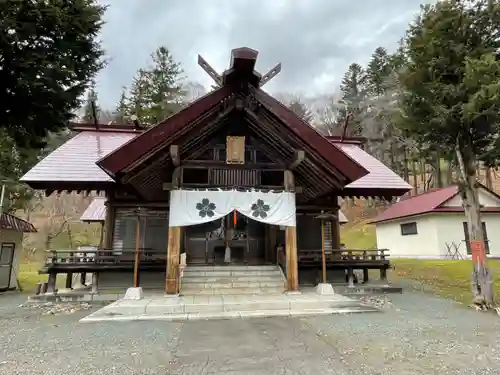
[
  {"x": 160, "y": 308},
  {"x": 233, "y": 268},
  {"x": 233, "y": 284},
  {"x": 185, "y": 291},
  {"x": 180, "y": 317},
  {"x": 230, "y": 279},
  {"x": 216, "y": 273}
]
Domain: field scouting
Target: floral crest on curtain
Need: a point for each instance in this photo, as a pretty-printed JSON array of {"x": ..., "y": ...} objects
[
  {"x": 206, "y": 208},
  {"x": 260, "y": 209}
]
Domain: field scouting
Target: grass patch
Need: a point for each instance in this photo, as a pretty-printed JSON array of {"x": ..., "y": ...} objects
[
  {"x": 29, "y": 277},
  {"x": 358, "y": 235},
  {"x": 446, "y": 278}
]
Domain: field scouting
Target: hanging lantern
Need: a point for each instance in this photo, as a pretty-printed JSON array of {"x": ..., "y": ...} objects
[{"x": 235, "y": 218}]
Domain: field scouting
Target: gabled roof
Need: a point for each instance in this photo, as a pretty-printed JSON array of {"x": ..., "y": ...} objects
[
  {"x": 75, "y": 160},
  {"x": 428, "y": 202},
  {"x": 13, "y": 223},
  {"x": 96, "y": 211},
  {"x": 130, "y": 152},
  {"x": 208, "y": 108}
]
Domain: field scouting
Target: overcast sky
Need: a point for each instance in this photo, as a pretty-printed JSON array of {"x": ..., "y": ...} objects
[{"x": 315, "y": 40}]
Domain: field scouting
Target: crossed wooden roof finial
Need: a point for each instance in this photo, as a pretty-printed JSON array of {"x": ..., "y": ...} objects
[{"x": 243, "y": 53}]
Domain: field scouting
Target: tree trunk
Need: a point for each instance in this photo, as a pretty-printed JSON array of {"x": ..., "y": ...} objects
[
  {"x": 415, "y": 177},
  {"x": 422, "y": 173},
  {"x": 439, "y": 177},
  {"x": 489, "y": 181},
  {"x": 449, "y": 172},
  {"x": 405, "y": 166},
  {"x": 482, "y": 288}
]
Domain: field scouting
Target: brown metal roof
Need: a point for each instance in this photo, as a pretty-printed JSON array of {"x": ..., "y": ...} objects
[
  {"x": 96, "y": 211},
  {"x": 127, "y": 153},
  {"x": 380, "y": 181},
  {"x": 348, "y": 166},
  {"x": 11, "y": 222},
  {"x": 75, "y": 160}
]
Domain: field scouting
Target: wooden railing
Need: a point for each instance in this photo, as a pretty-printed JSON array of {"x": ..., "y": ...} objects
[
  {"x": 344, "y": 256},
  {"x": 104, "y": 257}
]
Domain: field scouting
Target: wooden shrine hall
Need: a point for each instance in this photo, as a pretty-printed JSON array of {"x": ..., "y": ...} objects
[{"x": 235, "y": 177}]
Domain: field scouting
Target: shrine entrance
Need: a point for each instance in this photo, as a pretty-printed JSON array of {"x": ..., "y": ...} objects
[
  {"x": 230, "y": 226},
  {"x": 207, "y": 244}
]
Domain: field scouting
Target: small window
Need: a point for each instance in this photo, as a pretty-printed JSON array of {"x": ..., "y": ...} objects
[{"x": 408, "y": 229}]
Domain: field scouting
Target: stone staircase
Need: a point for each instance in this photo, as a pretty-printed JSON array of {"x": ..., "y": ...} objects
[{"x": 232, "y": 280}]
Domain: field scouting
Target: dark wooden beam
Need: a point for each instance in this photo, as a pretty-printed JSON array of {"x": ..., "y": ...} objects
[
  {"x": 270, "y": 75},
  {"x": 174, "y": 154},
  {"x": 300, "y": 156},
  {"x": 167, "y": 186},
  {"x": 202, "y": 164},
  {"x": 210, "y": 71}
]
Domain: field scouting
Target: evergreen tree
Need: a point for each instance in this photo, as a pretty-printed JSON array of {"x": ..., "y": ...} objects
[
  {"x": 122, "y": 111},
  {"x": 301, "y": 110},
  {"x": 378, "y": 70},
  {"x": 353, "y": 89},
  {"x": 47, "y": 64},
  {"x": 156, "y": 92},
  {"x": 450, "y": 99},
  {"x": 91, "y": 109}
]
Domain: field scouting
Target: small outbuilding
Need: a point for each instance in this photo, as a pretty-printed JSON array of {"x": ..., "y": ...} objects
[
  {"x": 433, "y": 225},
  {"x": 12, "y": 230}
]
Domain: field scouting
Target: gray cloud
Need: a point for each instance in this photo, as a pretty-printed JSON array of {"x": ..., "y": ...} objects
[{"x": 315, "y": 40}]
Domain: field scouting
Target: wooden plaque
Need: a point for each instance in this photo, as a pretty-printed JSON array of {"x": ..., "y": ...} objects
[{"x": 235, "y": 150}]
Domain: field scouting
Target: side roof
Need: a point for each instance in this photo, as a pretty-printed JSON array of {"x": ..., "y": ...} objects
[
  {"x": 75, "y": 161},
  {"x": 96, "y": 211},
  {"x": 430, "y": 201},
  {"x": 380, "y": 181},
  {"x": 13, "y": 223}
]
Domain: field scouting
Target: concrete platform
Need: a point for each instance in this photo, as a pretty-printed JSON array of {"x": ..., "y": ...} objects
[{"x": 226, "y": 307}]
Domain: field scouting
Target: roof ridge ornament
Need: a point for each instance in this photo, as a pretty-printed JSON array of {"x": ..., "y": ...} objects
[{"x": 241, "y": 68}]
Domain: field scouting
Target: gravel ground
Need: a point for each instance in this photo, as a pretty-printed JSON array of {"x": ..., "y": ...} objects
[{"x": 416, "y": 334}]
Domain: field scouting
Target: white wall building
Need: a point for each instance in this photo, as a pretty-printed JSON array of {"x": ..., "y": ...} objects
[
  {"x": 11, "y": 244},
  {"x": 433, "y": 225}
]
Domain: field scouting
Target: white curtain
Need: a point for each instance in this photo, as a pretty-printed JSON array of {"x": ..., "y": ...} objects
[{"x": 191, "y": 207}]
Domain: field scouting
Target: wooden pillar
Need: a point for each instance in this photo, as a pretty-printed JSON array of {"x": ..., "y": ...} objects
[
  {"x": 109, "y": 223},
  {"x": 69, "y": 280},
  {"x": 336, "y": 227},
  {"x": 95, "y": 282},
  {"x": 383, "y": 274},
  {"x": 137, "y": 258},
  {"x": 271, "y": 233},
  {"x": 323, "y": 256},
  {"x": 174, "y": 246},
  {"x": 292, "y": 271},
  {"x": 51, "y": 283},
  {"x": 366, "y": 277},
  {"x": 83, "y": 278}
]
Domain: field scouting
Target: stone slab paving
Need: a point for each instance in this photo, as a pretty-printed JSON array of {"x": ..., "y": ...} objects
[{"x": 226, "y": 307}]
